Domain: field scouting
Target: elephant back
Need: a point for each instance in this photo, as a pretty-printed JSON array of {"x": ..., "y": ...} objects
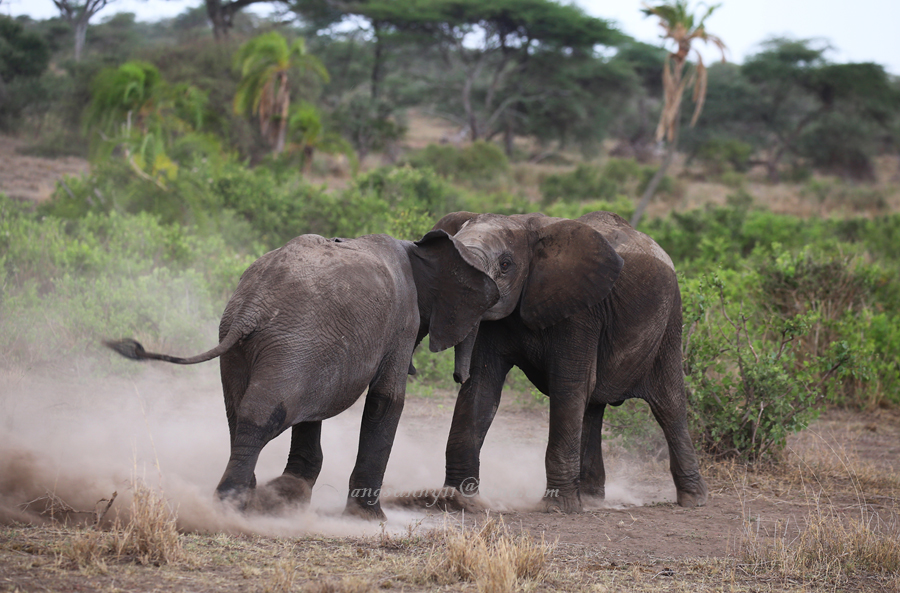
[{"x": 624, "y": 238}]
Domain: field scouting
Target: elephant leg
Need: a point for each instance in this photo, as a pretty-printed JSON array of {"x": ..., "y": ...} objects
[
  {"x": 381, "y": 414},
  {"x": 593, "y": 474},
  {"x": 572, "y": 376},
  {"x": 303, "y": 465},
  {"x": 252, "y": 430},
  {"x": 473, "y": 414},
  {"x": 563, "y": 458},
  {"x": 668, "y": 403},
  {"x": 689, "y": 484}
]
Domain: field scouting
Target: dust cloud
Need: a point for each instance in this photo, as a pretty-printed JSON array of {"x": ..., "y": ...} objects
[{"x": 81, "y": 438}]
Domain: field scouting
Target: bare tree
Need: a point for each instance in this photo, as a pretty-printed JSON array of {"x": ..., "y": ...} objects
[{"x": 78, "y": 14}]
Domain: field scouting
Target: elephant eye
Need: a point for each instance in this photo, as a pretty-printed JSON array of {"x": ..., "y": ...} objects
[{"x": 505, "y": 265}]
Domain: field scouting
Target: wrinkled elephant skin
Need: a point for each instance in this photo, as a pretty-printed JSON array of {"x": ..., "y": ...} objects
[
  {"x": 314, "y": 324},
  {"x": 590, "y": 310}
]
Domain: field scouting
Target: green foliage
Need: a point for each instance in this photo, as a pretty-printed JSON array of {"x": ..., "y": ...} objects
[
  {"x": 586, "y": 182},
  {"x": 479, "y": 161},
  {"x": 133, "y": 110},
  {"x": 22, "y": 53},
  {"x": 307, "y": 135},
  {"x": 24, "y": 56},
  {"x": 622, "y": 206},
  {"x": 720, "y": 155},
  {"x": 793, "y": 106},
  {"x": 749, "y": 384},
  {"x": 67, "y": 284},
  {"x": 370, "y": 124},
  {"x": 265, "y": 63},
  {"x": 633, "y": 426}
]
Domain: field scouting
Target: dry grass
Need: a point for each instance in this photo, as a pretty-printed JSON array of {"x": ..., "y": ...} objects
[
  {"x": 491, "y": 557},
  {"x": 148, "y": 537},
  {"x": 828, "y": 547}
]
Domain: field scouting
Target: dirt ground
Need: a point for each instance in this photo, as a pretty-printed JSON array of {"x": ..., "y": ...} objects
[
  {"x": 73, "y": 434},
  {"x": 30, "y": 177},
  {"x": 79, "y": 435}
]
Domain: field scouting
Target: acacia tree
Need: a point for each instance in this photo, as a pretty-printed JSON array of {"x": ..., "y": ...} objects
[
  {"x": 489, "y": 43},
  {"x": 78, "y": 14},
  {"x": 682, "y": 27},
  {"x": 265, "y": 62},
  {"x": 799, "y": 90},
  {"x": 22, "y": 54},
  {"x": 788, "y": 105}
]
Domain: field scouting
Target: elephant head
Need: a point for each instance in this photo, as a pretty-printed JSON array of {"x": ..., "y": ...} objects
[
  {"x": 454, "y": 290},
  {"x": 545, "y": 269}
]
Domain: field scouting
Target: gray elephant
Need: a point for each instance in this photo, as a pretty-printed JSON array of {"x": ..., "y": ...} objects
[
  {"x": 590, "y": 310},
  {"x": 314, "y": 324}
]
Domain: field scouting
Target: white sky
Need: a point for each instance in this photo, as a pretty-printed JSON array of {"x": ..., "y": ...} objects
[{"x": 861, "y": 30}]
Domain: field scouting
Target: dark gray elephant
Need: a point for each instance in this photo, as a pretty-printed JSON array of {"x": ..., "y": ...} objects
[
  {"x": 314, "y": 324},
  {"x": 590, "y": 310}
]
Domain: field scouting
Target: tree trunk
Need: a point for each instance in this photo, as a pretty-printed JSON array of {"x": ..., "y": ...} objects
[
  {"x": 508, "y": 136},
  {"x": 219, "y": 19},
  {"x": 283, "y": 101},
  {"x": 80, "y": 26},
  {"x": 471, "y": 118},
  {"x": 377, "y": 65},
  {"x": 654, "y": 182}
]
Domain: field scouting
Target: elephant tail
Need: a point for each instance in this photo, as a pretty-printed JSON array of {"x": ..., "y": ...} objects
[{"x": 132, "y": 349}]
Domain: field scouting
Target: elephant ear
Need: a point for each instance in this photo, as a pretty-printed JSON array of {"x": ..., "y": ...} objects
[
  {"x": 572, "y": 269},
  {"x": 451, "y": 223},
  {"x": 457, "y": 290}
]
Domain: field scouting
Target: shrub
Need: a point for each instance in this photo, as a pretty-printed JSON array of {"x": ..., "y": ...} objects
[
  {"x": 66, "y": 285},
  {"x": 721, "y": 155},
  {"x": 622, "y": 206},
  {"x": 479, "y": 161},
  {"x": 749, "y": 384},
  {"x": 584, "y": 183}
]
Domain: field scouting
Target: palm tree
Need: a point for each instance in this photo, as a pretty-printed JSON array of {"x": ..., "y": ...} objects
[
  {"x": 308, "y": 135},
  {"x": 264, "y": 63},
  {"x": 681, "y": 26},
  {"x": 134, "y": 111}
]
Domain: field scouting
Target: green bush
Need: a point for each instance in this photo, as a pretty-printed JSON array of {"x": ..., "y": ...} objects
[
  {"x": 622, "y": 206},
  {"x": 853, "y": 197},
  {"x": 749, "y": 385},
  {"x": 587, "y": 182},
  {"x": 584, "y": 183},
  {"x": 479, "y": 161},
  {"x": 722, "y": 155},
  {"x": 69, "y": 284}
]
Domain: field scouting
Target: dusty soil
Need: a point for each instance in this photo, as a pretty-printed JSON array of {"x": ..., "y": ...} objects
[
  {"x": 80, "y": 436},
  {"x": 30, "y": 177}
]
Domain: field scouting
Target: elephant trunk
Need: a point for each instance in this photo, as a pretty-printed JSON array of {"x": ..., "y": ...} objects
[{"x": 462, "y": 356}]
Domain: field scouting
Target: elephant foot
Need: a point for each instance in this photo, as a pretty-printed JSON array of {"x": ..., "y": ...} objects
[
  {"x": 281, "y": 494},
  {"x": 451, "y": 500},
  {"x": 555, "y": 502},
  {"x": 291, "y": 488},
  {"x": 365, "y": 511},
  {"x": 239, "y": 498},
  {"x": 693, "y": 497}
]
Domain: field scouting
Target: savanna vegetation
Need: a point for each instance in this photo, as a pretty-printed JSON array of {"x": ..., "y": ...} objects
[{"x": 210, "y": 145}]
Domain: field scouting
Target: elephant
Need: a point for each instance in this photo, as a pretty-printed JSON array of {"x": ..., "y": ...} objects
[
  {"x": 312, "y": 325},
  {"x": 590, "y": 311}
]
